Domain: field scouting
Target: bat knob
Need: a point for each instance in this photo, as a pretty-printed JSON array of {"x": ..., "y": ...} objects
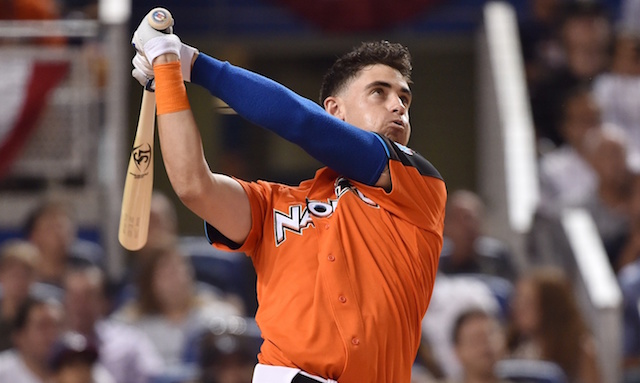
[{"x": 160, "y": 19}]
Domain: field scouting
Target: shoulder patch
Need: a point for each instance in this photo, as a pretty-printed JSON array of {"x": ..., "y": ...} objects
[
  {"x": 410, "y": 157},
  {"x": 406, "y": 150}
]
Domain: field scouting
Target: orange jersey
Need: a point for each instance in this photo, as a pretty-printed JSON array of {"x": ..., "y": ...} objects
[{"x": 346, "y": 270}]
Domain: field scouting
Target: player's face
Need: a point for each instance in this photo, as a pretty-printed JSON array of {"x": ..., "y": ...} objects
[{"x": 377, "y": 100}]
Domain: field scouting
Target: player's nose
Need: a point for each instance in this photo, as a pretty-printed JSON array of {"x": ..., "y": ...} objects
[{"x": 397, "y": 105}]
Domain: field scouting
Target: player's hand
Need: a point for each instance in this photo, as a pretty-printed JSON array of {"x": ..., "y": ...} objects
[
  {"x": 152, "y": 43},
  {"x": 146, "y": 32},
  {"x": 143, "y": 72}
]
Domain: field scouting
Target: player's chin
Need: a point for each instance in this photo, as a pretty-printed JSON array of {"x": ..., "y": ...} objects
[{"x": 398, "y": 137}]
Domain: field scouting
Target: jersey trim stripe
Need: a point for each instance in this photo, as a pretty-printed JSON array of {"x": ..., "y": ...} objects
[{"x": 409, "y": 157}]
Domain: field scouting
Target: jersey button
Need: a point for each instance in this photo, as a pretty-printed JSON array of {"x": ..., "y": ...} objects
[
  {"x": 342, "y": 299},
  {"x": 327, "y": 226},
  {"x": 331, "y": 258},
  {"x": 355, "y": 341}
]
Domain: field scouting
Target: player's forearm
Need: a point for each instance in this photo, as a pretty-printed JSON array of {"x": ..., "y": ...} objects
[
  {"x": 355, "y": 153},
  {"x": 216, "y": 198}
]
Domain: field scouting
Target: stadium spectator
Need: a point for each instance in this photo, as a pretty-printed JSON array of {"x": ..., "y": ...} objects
[
  {"x": 227, "y": 351},
  {"x": 466, "y": 250},
  {"x": 163, "y": 221},
  {"x": 169, "y": 307},
  {"x": 566, "y": 177},
  {"x": 74, "y": 359},
  {"x": 618, "y": 90},
  {"x": 547, "y": 324},
  {"x": 36, "y": 327},
  {"x": 452, "y": 295},
  {"x": 52, "y": 227},
  {"x": 18, "y": 264},
  {"x": 126, "y": 353},
  {"x": 163, "y": 232},
  {"x": 539, "y": 37},
  {"x": 585, "y": 35},
  {"x": 630, "y": 251},
  {"x": 480, "y": 343},
  {"x": 610, "y": 205},
  {"x": 629, "y": 280}
]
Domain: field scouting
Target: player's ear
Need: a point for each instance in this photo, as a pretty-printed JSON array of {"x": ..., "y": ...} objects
[{"x": 333, "y": 105}]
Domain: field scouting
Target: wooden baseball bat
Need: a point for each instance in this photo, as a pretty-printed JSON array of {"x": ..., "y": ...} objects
[{"x": 138, "y": 185}]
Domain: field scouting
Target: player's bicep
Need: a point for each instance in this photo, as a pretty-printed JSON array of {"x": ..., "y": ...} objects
[{"x": 225, "y": 206}]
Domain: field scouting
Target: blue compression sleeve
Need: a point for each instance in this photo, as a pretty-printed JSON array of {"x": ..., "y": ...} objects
[{"x": 352, "y": 152}]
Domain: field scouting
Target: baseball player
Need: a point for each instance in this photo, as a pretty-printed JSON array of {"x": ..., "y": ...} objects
[{"x": 345, "y": 261}]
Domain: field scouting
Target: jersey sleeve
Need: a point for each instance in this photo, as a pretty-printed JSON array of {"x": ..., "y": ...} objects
[{"x": 259, "y": 194}]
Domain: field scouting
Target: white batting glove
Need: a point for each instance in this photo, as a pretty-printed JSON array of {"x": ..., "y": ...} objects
[
  {"x": 146, "y": 32},
  {"x": 171, "y": 44},
  {"x": 186, "y": 58},
  {"x": 152, "y": 43},
  {"x": 143, "y": 71}
]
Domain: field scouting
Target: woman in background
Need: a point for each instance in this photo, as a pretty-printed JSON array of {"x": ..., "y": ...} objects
[{"x": 546, "y": 324}]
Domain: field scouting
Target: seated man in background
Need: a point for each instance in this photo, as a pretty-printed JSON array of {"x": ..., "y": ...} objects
[
  {"x": 465, "y": 249},
  {"x": 36, "y": 327},
  {"x": 480, "y": 343},
  {"x": 452, "y": 296},
  {"x": 610, "y": 205},
  {"x": 52, "y": 227},
  {"x": 127, "y": 354},
  {"x": 566, "y": 176}
]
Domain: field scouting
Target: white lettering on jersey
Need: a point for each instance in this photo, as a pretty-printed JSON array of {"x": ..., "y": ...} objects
[{"x": 299, "y": 219}]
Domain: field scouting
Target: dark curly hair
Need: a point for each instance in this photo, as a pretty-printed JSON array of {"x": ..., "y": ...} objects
[{"x": 368, "y": 53}]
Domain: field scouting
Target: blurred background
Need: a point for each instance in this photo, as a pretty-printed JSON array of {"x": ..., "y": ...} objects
[{"x": 530, "y": 110}]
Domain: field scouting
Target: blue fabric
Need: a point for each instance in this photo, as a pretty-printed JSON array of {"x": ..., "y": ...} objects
[{"x": 352, "y": 152}]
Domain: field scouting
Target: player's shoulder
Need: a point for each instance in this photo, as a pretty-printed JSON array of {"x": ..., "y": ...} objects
[{"x": 411, "y": 158}]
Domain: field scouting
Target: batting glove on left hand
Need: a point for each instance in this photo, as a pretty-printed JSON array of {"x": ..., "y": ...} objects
[
  {"x": 146, "y": 32},
  {"x": 151, "y": 43},
  {"x": 143, "y": 72}
]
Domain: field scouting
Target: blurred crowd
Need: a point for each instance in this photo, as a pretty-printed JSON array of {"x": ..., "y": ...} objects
[
  {"x": 491, "y": 321},
  {"x": 63, "y": 320},
  {"x": 184, "y": 312}
]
